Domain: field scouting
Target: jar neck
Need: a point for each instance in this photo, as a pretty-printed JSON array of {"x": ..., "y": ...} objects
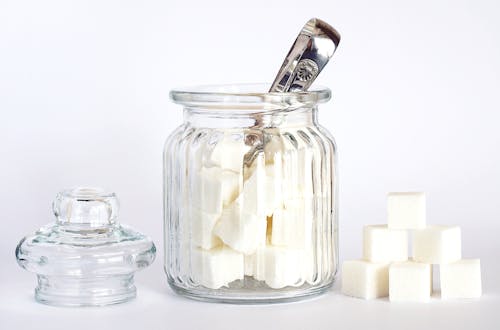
[{"x": 225, "y": 118}]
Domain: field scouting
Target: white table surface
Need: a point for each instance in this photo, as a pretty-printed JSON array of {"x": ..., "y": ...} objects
[{"x": 157, "y": 307}]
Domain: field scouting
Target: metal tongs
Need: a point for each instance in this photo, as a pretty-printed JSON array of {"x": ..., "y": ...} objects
[{"x": 309, "y": 54}]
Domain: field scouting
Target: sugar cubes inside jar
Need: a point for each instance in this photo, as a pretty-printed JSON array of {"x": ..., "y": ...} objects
[{"x": 250, "y": 212}]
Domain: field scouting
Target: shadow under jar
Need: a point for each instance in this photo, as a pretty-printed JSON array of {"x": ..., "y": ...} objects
[{"x": 250, "y": 196}]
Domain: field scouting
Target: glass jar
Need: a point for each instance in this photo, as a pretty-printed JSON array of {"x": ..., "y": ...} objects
[{"x": 250, "y": 189}]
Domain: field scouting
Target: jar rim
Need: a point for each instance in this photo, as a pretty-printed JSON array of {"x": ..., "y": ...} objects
[{"x": 247, "y": 97}]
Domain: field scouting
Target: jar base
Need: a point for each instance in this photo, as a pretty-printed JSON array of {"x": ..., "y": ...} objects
[
  {"x": 82, "y": 291},
  {"x": 249, "y": 297}
]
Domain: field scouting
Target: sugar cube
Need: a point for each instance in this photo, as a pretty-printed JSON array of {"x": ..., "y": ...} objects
[
  {"x": 228, "y": 152},
  {"x": 381, "y": 244},
  {"x": 406, "y": 210},
  {"x": 305, "y": 172},
  {"x": 217, "y": 267},
  {"x": 277, "y": 266},
  {"x": 437, "y": 244},
  {"x": 212, "y": 188},
  {"x": 274, "y": 186},
  {"x": 293, "y": 225},
  {"x": 363, "y": 279},
  {"x": 410, "y": 281},
  {"x": 461, "y": 279},
  {"x": 297, "y": 169},
  {"x": 202, "y": 225},
  {"x": 243, "y": 231},
  {"x": 254, "y": 197},
  {"x": 282, "y": 266}
]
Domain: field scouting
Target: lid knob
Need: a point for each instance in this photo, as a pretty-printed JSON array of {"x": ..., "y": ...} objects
[{"x": 87, "y": 207}]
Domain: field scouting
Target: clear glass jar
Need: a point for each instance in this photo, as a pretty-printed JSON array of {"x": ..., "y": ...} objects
[{"x": 250, "y": 190}]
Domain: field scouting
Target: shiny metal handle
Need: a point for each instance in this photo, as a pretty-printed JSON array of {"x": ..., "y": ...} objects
[{"x": 309, "y": 54}]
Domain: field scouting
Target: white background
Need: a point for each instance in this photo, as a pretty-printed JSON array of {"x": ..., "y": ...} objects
[{"x": 84, "y": 101}]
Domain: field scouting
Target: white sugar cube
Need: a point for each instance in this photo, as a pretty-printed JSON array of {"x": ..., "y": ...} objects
[
  {"x": 305, "y": 171},
  {"x": 293, "y": 225},
  {"x": 461, "y": 279},
  {"x": 231, "y": 186},
  {"x": 212, "y": 188},
  {"x": 410, "y": 281},
  {"x": 277, "y": 266},
  {"x": 290, "y": 172},
  {"x": 217, "y": 268},
  {"x": 253, "y": 198},
  {"x": 406, "y": 210},
  {"x": 274, "y": 186},
  {"x": 243, "y": 231},
  {"x": 363, "y": 279},
  {"x": 437, "y": 244},
  {"x": 228, "y": 152},
  {"x": 202, "y": 225},
  {"x": 283, "y": 267},
  {"x": 381, "y": 244},
  {"x": 297, "y": 169}
]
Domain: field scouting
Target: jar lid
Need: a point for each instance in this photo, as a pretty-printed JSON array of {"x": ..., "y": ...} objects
[
  {"x": 245, "y": 97},
  {"x": 85, "y": 257}
]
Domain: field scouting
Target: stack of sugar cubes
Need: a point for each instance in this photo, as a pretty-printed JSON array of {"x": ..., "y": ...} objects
[
  {"x": 246, "y": 221},
  {"x": 386, "y": 270}
]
